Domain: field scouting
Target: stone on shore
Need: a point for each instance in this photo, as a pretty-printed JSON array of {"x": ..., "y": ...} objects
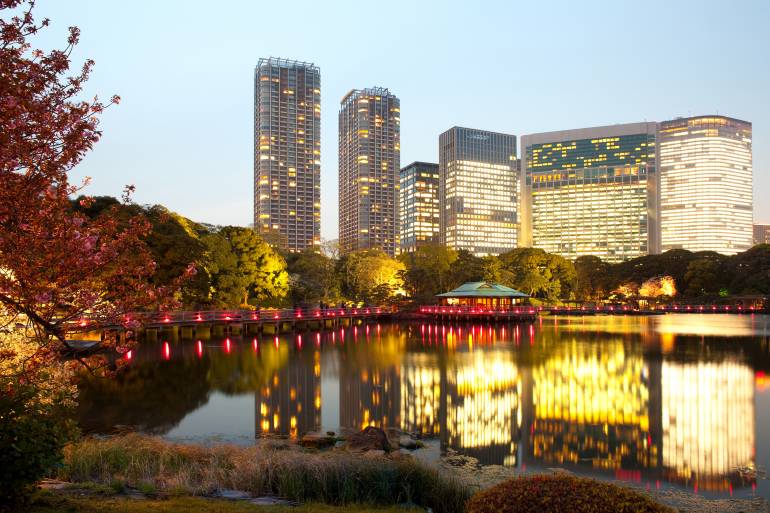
[{"x": 370, "y": 439}]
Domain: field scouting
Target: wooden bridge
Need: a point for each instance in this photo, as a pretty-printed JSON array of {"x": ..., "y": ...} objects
[{"x": 205, "y": 323}]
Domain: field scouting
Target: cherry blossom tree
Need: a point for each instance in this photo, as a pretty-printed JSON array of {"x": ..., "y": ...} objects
[{"x": 60, "y": 271}]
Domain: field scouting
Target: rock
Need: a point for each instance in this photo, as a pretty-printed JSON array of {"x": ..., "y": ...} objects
[
  {"x": 407, "y": 442},
  {"x": 234, "y": 495},
  {"x": 370, "y": 439},
  {"x": 316, "y": 441},
  {"x": 374, "y": 453}
]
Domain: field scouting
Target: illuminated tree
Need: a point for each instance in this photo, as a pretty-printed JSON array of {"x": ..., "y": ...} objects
[
  {"x": 658, "y": 286},
  {"x": 370, "y": 276}
]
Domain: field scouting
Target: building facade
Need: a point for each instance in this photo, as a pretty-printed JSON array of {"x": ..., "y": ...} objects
[
  {"x": 287, "y": 152},
  {"x": 762, "y": 234},
  {"x": 478, "y": 191},
  {"x": 591, "y": 191},
  {"x": 706, "y": 201},
  {"x": 418, "y": 205},
  {"x": 369, "y": 163}
]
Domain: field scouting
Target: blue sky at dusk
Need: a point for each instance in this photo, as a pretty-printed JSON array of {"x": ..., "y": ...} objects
[{"x": 183, "y": 133}]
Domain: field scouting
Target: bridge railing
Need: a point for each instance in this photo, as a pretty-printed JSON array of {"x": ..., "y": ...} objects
[
  {"x": 522, "y": 309},
  {"x": 261, "y": 315},
  {"x": 473, "y": 310}
]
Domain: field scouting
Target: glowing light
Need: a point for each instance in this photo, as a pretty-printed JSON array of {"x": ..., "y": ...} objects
[
  {"x": 227, "y": 345},
  {"x": 199, "y": 348},
  {"x": 166, "y": 350}
]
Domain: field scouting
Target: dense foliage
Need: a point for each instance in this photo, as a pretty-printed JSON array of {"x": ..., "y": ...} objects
[
  {"x": 556, "y": 494},
  {"x": 34, "y": 429},
  {"x": 705, "y": 275}
]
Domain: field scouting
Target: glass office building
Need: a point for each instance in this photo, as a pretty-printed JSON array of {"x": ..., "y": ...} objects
[
  {"x": 287, "y": 152},
  {"x": 591, "y": 191},
  {"x": 369, "y": 163},
  {"x": 706, "y": 201},
  {"x": 418, "y": 205},
  {"x": 478, "y": 191}
]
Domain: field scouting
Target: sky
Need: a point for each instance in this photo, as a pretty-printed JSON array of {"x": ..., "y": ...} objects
[{"x": 183, "y": 133}]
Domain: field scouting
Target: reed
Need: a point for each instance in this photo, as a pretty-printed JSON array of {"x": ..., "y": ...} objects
[{"x": 267, "y": 468}]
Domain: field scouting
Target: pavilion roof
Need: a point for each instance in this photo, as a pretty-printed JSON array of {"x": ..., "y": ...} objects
[{"x": 483, "y": 289}]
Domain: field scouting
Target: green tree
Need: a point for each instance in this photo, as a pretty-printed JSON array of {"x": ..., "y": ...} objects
[
  {"x": 263, "y": 269},
  {"x": 706, "y": 275},
  {"x": 591, "y": 278},
  {"x": 749, "y": 272},
  {"x": 370, "y": 276},
  {"x": 229, "y": 286},
  {"x": 466, "y": 268},
  {"x": 538, "y": 273},
  {"x": 428, "y": 271},
  {"x": 313, "y": 278}
]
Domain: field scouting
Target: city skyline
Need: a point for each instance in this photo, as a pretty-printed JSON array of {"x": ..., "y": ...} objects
[{"x": 170, "y": 140}]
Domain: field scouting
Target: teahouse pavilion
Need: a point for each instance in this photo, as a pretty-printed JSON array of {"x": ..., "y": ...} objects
[{"x": 483, "y": 293}]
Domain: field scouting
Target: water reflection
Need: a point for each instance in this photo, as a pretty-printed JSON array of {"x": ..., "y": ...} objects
[{"x": 640, "y": 399}]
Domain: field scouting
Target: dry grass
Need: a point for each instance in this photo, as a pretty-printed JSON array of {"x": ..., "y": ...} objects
[{"x": 264, "y": 469}]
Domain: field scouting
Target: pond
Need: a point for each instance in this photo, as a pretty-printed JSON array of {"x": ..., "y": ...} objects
[{"x": 671, "y": 400}]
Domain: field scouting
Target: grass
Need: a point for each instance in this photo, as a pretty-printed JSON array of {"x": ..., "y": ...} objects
[
  {"x": 155, "y": 466},
  {"x": 51, "y": 502}
]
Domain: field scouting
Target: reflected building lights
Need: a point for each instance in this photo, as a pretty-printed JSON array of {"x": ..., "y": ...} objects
[
  {"x": 483, "y": 409},
  {"x": 290, "y": 403},
  {"x": 707, "y": 422},
  {"x": 592, "y": 406}
]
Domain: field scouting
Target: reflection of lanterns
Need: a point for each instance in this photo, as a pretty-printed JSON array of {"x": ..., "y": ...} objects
[{"x": 762, "y": 380}]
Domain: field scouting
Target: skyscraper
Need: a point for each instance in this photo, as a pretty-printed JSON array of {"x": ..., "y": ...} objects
[
  {"x": 369, "y": 160},
  {"x": 418, "y": 205},
  {"x": 287, "y": 152},
  {"x": 762, "y": 234},
  {"x": 706, "y": 201},
  {"x": 478, "y": 190},
  {"x": 591, "y": 191}
]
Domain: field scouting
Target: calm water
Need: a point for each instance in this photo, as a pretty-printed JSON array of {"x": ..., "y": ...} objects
[{"x": 675, "y": 400}]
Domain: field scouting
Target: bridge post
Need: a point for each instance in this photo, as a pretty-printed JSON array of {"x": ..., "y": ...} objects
[{"x": 151, "y": 334}]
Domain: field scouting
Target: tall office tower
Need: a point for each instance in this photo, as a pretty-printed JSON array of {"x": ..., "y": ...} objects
[
  {"x": 591, "y": 191},
  {"x": 706, "y": 199},
  {"x": 287, "y": 152},
  {"x": 478, "y": 190},
  {"x": 762, "y": 234},
  {"x": 369, "y": 160},
  {"x": 418, "y": 205}
]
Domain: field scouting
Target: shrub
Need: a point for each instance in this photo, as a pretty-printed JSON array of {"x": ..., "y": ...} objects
[
  {"x": 551, "y": 494},
  {"x": 32, "y": 434}
]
